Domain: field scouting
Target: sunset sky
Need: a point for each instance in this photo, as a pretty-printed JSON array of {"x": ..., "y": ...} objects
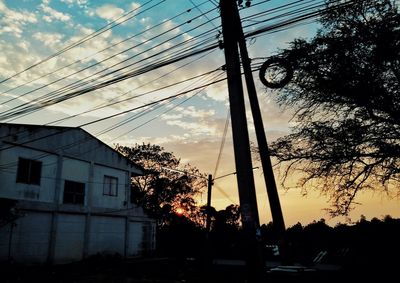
[{"x": 78, "y": 62}]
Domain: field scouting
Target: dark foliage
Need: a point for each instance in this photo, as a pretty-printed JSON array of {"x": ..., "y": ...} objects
[
  {"x": 346, "y": 93},
  {"x": 365, "y": 244},
  {"x": 166, "y": 188}
]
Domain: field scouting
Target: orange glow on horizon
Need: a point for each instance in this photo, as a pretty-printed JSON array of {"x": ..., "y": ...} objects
[{"x": 179, "y": 211}]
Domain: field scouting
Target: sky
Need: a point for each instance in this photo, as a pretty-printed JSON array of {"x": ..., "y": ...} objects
[{"x": 150, "y": 71}]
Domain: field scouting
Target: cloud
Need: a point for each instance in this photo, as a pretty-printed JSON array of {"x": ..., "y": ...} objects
[
  {"x": 52, "y": 14},
  {"x": 109, "y": 12},
  {"x": 48, "y": 39},
  {"x": 13, "y": 22},
  {"x": 80, "y": 3},
  {"x": 135, "y": 5},
  {"x": 172, "y": 116},
  {"x": 195, "y": 128},
  {"x": 192, "y": 112}
]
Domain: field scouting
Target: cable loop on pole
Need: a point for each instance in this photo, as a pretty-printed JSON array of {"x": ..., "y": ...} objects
[{"x": 276, "y": 62}]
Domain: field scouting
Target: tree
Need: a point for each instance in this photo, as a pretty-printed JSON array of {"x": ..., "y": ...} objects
[
  {"x": 167, "y": 189},
  {"x": 226, "y": 232},
  {"x": 346, "y": 96}
]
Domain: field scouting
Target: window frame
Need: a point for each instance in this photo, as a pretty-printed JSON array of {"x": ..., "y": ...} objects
[
  {"x": 107, "y": 191},
  {"x": 29, "y": 171},
  {"x": 78, "y": 198}
]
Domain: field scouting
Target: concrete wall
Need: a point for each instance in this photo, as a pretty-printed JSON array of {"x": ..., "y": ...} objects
[
  {"x": 69, "y": 240},
  {"x": 9, "y": 188},
  {"x": 116, "y": 202},
  {"x": 29, "y": 239},
  {"x": 107, "y": 235},
  {"x": 51, "y": 231}
]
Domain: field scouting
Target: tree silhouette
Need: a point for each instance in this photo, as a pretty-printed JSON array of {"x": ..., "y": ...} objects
[
  {"x": 346, "y": 95},
  {"x": 167, "y": 188},
  {"x": 226, "y": 232}
]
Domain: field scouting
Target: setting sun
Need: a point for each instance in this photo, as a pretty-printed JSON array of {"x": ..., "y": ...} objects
[{"x": 179, "y": 211}]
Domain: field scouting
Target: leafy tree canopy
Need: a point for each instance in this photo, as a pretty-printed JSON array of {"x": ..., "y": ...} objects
[
  {"x": 345, "y": 90},
  {"x": 168, "y": 189}
]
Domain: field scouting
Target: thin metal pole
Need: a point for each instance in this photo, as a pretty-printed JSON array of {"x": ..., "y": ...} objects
[{"x": 208, "y": 220}]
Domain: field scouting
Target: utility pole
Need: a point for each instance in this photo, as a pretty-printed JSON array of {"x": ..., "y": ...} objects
[
  {"x": 273, "y": 197},
  {"x": 245, "y": 178},
  {"x": 208, "y": 219}
]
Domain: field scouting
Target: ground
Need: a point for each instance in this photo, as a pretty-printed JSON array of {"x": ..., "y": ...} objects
[{"x": 163, "y": 270}]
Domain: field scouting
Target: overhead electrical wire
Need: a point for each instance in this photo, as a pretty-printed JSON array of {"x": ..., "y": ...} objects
[
  {"x": 39, "y": 104},
  {"x": 203, "y": 85},
  {"x": 139, "y": 95},
  {"x": 314, "y": 13},
  {"x": 259, "y": 31},
  {"x": 221, "y": 147},
  {"x": 81, "y": 81},
  {"x": 197, "y": 89},
  {"x": 99, "y": 31},
  {"x": 73, "y": 94},
  {"x": 116, "y": 100},
  {"x": 18, "y": 113},
  {"x": 201, "y": 12},
  {"x": 91, "y": 55},
  {"x": 164, "y": 112}
]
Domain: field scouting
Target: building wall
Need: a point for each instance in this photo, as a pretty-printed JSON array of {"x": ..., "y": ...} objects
[
  {"x": 69, "y": 241},
  {"x": 120, "y": 201},
  {"x": 50, "y": 231},
  {"x": 29, "y": 238},
  {"x": 107, "y": 235},
  {"x": 8, "y": 175}
]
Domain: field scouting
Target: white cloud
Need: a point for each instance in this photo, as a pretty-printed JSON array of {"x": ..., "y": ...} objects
[
  {"x": 191, "y": 111},
  {"x": 195, "y": 128},
  {"x": 48, "y": 39},
  {"x": 172, "y": 116},
  {"x": 24, "y": 45},
  {"x": 109, "y": 12},
  {"x": 52, "y": 14},
  {"x": 80, "y": 3},
  {"x": 12, "y": 21},
  {"x": 135, "y": 5}
]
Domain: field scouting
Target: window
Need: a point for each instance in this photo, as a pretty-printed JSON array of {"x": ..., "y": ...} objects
[
  {"x": 110, "y": 187},
  {"x": 29, "y": 171},
  {"x": 74, "y": 192}
]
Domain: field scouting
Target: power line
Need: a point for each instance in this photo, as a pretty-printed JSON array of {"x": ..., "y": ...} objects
[
  {"x": 92, "y": 55},
  {"x": 39, "y": 104},
  {"x": 205, "y": 15},
  {"x": 82, "y": 81},
  {"x": 114, "y": 101},
  {"x": 63, "y": 129},
  {"x": 99, "y": 31},
  {"x": 221, "y": 147},
  {"x": 10, "y": 114}
]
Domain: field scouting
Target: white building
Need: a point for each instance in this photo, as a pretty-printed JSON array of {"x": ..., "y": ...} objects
[{"x": 72, "y": 193}]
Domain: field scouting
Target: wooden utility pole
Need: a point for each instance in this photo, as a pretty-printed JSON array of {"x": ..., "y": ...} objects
[{"x": 245, "y": 178}]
